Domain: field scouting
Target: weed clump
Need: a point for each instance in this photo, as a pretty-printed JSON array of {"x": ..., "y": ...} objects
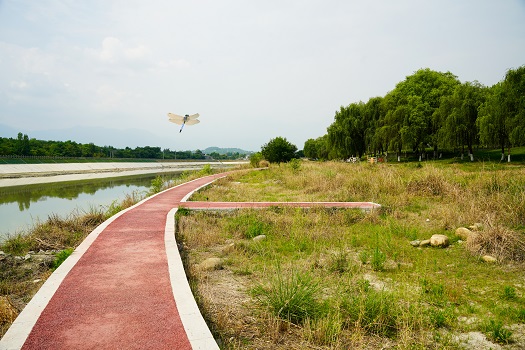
[
  {"x": 291, "y": 297},
  {"x": 373, "y": 311},
  {"x": 61, "y": 257},
  {"x": 497, "y": 332},
  {"x": 498, "y": 241}
]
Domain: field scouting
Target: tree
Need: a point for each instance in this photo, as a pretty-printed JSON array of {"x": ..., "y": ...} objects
[
  {"x": 278, "y": 150},
  {"x": 514, "y": 86},
  {"x": 493, "y": 123},
  {"x": 459, "y": 113}
]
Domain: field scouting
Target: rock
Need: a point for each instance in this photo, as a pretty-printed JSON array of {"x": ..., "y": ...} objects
[
  {"x": 489, "y": 259},
  {"x": 441, "y": 241},
  {"x": 210, "y": 264},
  {"x": 425, "y": 243},
  {"x": 27, "y": 257},
  {"x": 463, "y": 232},
  {"x": 228, "y": 248},
  {"x": 259, "y": 238},
  {"x": 415, "y": 243},
  {"x": 2, "y": 253},
  {"x": 476, "y": 227}
]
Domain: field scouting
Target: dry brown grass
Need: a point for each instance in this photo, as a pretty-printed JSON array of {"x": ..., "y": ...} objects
[
  {"x": 328, "y": 244},
  {"x": 497, "y": 241}
]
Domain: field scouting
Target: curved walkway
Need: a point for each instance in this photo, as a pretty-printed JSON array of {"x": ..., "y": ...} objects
[{"x": 125, "y": 287}]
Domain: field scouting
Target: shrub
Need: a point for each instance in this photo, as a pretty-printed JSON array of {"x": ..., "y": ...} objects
[
  {"x": 157, "y": 184},
  {"x": 206, "y": 170},
  {"x": 255, "y": 159},
  {"x": 295, "y": 164}
]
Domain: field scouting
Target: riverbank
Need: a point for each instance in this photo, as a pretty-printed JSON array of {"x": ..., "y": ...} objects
[{"x": 29, "y": 174}]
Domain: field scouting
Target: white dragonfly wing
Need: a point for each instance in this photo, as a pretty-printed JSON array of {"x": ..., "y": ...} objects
[
  {"x": 193, "y": 116},
  {"x": 176, "y": 121},
  {"x": 192, "y": 122},
  {"x": 175, "y": 118}
]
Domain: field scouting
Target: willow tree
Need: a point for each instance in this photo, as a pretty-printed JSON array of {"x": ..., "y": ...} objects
[
  {"x": 514, "y": 86},
  {"x": 418, "y": 98},
  {"x": 502, "y": 116},
  {"x": 346, "y": 135},
  {"x": 460, "y": 113}
]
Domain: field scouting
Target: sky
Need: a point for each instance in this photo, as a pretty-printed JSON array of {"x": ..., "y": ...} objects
[{"x": 109, "y": 71}]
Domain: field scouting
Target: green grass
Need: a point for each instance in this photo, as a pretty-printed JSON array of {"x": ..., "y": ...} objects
[{"x": 370, "y": 283}]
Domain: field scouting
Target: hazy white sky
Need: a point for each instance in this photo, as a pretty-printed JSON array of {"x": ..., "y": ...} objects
[{"x": 254, "y": 70}]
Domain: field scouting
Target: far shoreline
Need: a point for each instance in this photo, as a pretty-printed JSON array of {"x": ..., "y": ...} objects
[{"x": 30, "y": 174}]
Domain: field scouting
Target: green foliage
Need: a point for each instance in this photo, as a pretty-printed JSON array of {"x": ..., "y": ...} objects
[
  {"x": 60, "y": 257},
  {"x": 157, "y": 185},
  {"x": 429, "y": 111},
  {"x": 24, "y": 146},
  {"x": 255, "y": 159},
  {"x": 183, "y": 211},
  {"x": 206, "y": 170},
  {"x": 295, "y": 164},
  {"x": 291, "y": 297},
  {"x": 278, "y": 150},
  {"x": 496, "y": 332}
]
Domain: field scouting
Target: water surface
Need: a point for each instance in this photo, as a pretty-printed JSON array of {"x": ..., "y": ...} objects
[{"x": 23, "y": 206}]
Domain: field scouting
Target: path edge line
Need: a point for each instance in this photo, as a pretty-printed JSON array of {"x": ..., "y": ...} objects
[{"x": 196, "y": 329}]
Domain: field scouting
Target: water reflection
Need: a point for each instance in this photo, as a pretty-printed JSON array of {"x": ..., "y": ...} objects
[
  {"x": 25, "y": 195},
  {"x": 22, "y": 206}
]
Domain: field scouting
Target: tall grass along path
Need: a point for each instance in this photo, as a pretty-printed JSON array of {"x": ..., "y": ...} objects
[{"x": 124, "y": 287}]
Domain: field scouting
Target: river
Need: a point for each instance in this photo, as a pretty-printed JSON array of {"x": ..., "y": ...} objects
[{"x": 23, "y": 206}]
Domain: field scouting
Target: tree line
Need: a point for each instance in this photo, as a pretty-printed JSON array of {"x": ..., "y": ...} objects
[
  {"x": 24, "y": 146},
  {"x": 429, "y": 112}
]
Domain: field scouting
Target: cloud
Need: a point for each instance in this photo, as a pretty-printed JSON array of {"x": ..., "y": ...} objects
[{"x": 114, "y": 51}]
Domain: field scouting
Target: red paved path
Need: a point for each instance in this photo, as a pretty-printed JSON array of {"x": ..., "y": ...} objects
[{"x": 119, "y": 294}]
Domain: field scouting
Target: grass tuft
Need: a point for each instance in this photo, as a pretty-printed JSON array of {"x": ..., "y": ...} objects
[{"x": 291, "y": 296}]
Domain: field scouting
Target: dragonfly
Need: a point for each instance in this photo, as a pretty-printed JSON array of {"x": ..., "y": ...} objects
[{"x": 187, "y": 119}]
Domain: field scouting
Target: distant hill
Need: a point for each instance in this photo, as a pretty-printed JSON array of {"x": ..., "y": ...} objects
[{"x": 225, "y": 150}]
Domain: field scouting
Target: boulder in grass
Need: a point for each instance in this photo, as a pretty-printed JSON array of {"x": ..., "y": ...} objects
[
  {"x": 415, "y": 243},
  {"x": 476, "y": 227},
  {"x": 463, "y": 232},
  {"x": 489, "y": 259},
  {"x": 440, "y": 241},
  {"x": 425, "y": 243},
  {"x": 210, "y": 264},
  {"x": 259, "y": 238},
  {"x": 228, "y": 248}
]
